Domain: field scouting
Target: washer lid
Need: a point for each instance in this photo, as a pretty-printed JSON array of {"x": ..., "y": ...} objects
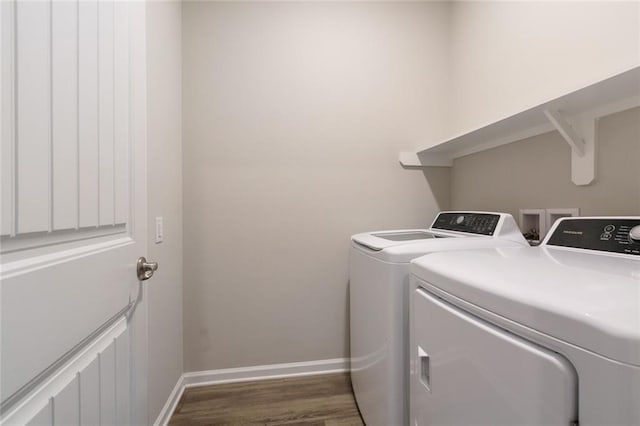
[
  {"x": 380, "y": 240},
  {"x": 584, "y": 298},
  {"x": 404, "y": 253}
]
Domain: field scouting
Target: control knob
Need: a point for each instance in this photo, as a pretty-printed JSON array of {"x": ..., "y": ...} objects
[{"x": 634, "y": 234}]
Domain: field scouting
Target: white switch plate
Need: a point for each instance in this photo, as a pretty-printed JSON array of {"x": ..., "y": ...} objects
[{"x": 159, "y": 230}]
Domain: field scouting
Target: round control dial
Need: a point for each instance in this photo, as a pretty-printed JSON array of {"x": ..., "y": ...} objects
[{"x": 634, "y": 234}]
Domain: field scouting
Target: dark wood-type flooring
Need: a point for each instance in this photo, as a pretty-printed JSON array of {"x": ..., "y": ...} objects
[{"x": 312, "y": 400}]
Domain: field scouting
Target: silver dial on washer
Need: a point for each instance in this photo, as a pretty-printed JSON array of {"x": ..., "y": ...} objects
[{"x": 634, "y": 234}]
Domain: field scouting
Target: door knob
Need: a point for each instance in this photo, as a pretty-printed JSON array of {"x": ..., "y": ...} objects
[{"x": 145, "y": 269}]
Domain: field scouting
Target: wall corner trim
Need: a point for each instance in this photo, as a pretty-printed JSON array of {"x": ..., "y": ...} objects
[
  {"x": 247, "y": 374},
  {"x": 171, "y": 404}
]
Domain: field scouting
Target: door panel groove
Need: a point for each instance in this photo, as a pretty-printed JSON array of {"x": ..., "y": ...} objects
[
  {"x": 16, "y": 134},
  {"x": 77, "y": 165},
  {"x": 50, "y": 153}
]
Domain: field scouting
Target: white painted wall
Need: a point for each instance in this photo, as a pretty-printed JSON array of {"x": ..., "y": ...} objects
[
  {"x": 507, "y": 56},
  {"x": 293, "y": 116},
  {"x": 164, "y": 158}
]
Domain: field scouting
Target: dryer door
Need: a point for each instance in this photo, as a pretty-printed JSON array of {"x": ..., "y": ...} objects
[{"x": 466, "y": 371}]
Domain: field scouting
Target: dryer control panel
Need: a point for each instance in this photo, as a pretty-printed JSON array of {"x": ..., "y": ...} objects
[
  {"x": 469, "y": 222},
  {"x": 614, "y": 235}
]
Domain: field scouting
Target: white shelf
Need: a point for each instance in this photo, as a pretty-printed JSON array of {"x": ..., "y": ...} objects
[{"x": 574, "y": 115}]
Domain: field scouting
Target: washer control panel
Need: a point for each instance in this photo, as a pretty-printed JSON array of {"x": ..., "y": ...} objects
[
  {"x": 615, "y": 235},
  {"x": 469, "y": 222}
]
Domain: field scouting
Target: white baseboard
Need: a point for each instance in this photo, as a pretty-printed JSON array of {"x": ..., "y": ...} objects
[
  {"x": 263, "y": 372},
  {"x": 247, "y": 374},
  {"x": 170, "y": 405}
]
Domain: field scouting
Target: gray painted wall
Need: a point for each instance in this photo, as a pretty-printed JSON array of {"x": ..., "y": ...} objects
[
  {"x": 536, "y": 173},
  {"x": 294, "y": 114},
  {"x": 164, "y": 168}
]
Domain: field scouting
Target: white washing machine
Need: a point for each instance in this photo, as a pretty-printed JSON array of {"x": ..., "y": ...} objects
[
  {"x": 378, "y": 283},
  {"x": 545, "y": 335}
]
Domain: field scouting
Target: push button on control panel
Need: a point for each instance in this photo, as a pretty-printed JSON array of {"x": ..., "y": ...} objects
[{"x": 606, "y": 235}]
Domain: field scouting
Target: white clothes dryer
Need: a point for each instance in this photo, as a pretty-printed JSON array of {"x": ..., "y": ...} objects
[
  {"x": 378, "y": 288},
  {"x": 545, "y": 335}
]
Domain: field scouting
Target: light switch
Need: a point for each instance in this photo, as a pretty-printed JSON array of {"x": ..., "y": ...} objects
[{"x": 159, "y": 230}]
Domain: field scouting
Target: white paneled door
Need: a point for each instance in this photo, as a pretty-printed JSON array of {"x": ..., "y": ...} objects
[{"x": 72, "y": 224}]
